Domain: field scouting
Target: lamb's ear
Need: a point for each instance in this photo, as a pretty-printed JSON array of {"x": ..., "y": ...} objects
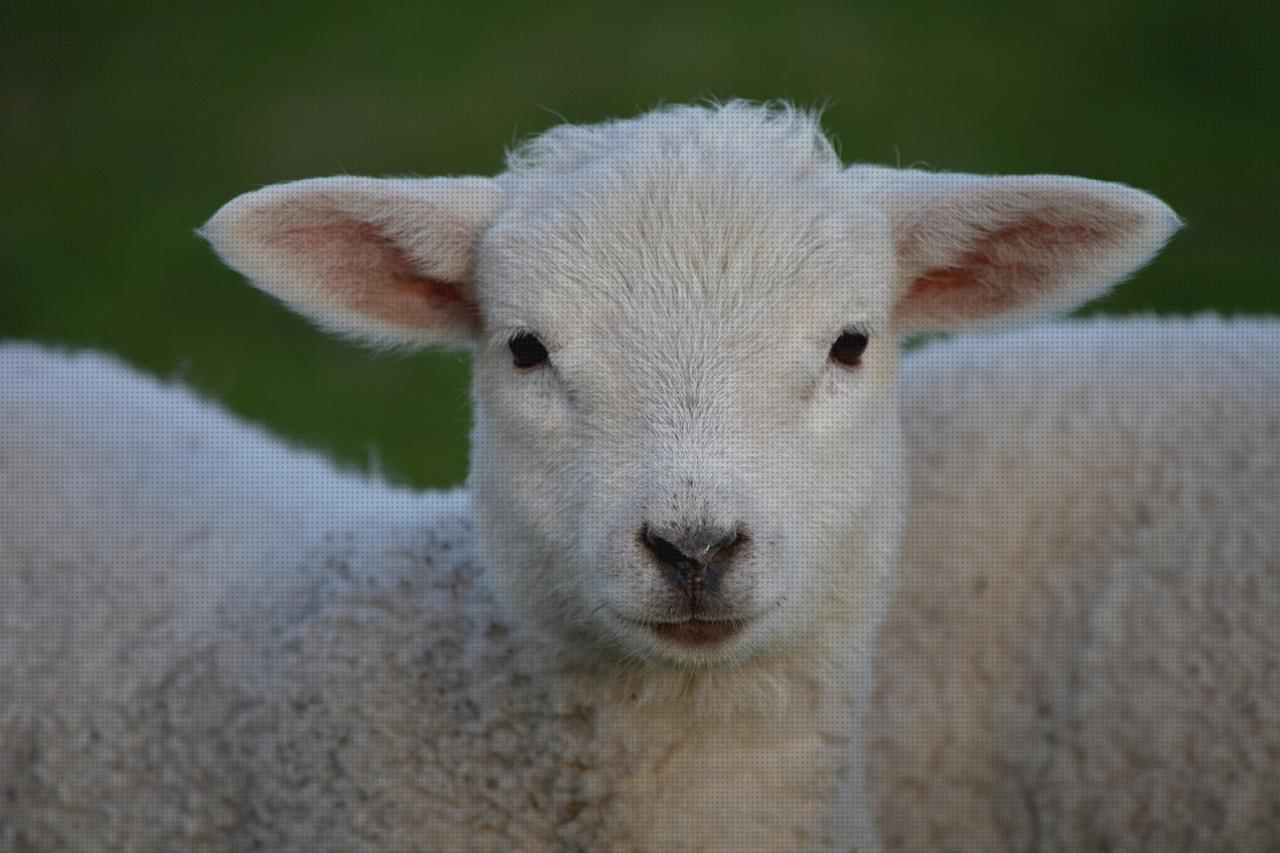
[
  {"x": 388, "y": 262},
  {"x": 976, "y": 250}
]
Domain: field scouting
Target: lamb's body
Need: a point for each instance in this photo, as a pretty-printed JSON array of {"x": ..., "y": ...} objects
[
  {"x": 211, "y": 640},
  {"x": 1085, "y": 651},
  {"x": 214, "y": 641}
]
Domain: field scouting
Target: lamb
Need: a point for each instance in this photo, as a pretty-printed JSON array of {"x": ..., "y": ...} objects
[
  {"x": 1084, "y": 653},
  {"x": 699, "y": 475}
]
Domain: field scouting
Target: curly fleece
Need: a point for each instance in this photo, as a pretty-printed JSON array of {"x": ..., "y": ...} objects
[{"x": 212, "y": 641}]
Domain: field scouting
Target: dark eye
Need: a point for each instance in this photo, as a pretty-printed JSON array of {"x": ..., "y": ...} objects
[
  {"x": 527, "y": 351},
  {"x": 848, "y": 348}
]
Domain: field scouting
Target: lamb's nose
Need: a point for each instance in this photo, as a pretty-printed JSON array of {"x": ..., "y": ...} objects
[{"x": 691, "y": 553}]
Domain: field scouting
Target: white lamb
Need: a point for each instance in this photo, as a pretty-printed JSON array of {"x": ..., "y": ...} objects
[{"x": 689, "y": 497}]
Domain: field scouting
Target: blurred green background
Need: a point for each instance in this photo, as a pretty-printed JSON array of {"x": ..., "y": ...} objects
[{"x": 125, "y": 125}]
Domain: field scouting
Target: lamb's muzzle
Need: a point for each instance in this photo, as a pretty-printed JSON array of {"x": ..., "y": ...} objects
[{"x": 693, "y": 561}]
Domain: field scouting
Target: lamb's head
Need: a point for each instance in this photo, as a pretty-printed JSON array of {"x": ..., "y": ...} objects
[{"x": 684, "y": 330}]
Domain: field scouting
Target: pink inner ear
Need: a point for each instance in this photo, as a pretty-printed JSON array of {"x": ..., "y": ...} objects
[
  {"x": 369, "y": 273},
  {"x": 1005, "y": 267}
]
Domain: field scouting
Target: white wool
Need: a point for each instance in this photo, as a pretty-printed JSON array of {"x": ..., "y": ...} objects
[
  {"x": 1085, "y": 649},
  {"x": 248, "y": 656},
  {"x": 1060, "y": 476},
  {"x": 274, "y": 652}
]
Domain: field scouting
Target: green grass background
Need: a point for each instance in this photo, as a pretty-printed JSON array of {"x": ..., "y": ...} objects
[{"x": 124, "y": 125}]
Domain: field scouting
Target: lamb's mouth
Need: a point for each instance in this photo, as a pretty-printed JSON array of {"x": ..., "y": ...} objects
[{"x": 696, "y": 632}]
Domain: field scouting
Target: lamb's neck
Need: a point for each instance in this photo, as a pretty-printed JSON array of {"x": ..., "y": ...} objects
[{"x": 755, "y": 757}]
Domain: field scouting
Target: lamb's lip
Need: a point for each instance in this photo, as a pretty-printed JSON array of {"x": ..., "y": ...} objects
[{"x": 696, "y": 632}]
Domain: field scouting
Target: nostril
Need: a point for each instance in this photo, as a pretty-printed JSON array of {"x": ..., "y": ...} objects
[
  {"x": 665, "y": 552},
  {"x": 697, "y": 548},
  {"x": 728, "y": 544}
]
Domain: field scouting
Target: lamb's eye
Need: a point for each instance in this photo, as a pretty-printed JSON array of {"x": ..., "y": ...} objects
[
  {"x": 848, "y": 348},
  {"x": 527, "y": 351}
]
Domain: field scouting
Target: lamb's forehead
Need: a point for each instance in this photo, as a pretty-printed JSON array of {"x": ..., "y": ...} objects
[
  {"x": 788, "y": 136},
  {"x": 738, "y": 210}
]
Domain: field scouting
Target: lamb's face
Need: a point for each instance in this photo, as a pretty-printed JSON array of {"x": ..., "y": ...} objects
[
  {"x": 680, "y": 440},
  {"x": 685, "y": 450}
]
